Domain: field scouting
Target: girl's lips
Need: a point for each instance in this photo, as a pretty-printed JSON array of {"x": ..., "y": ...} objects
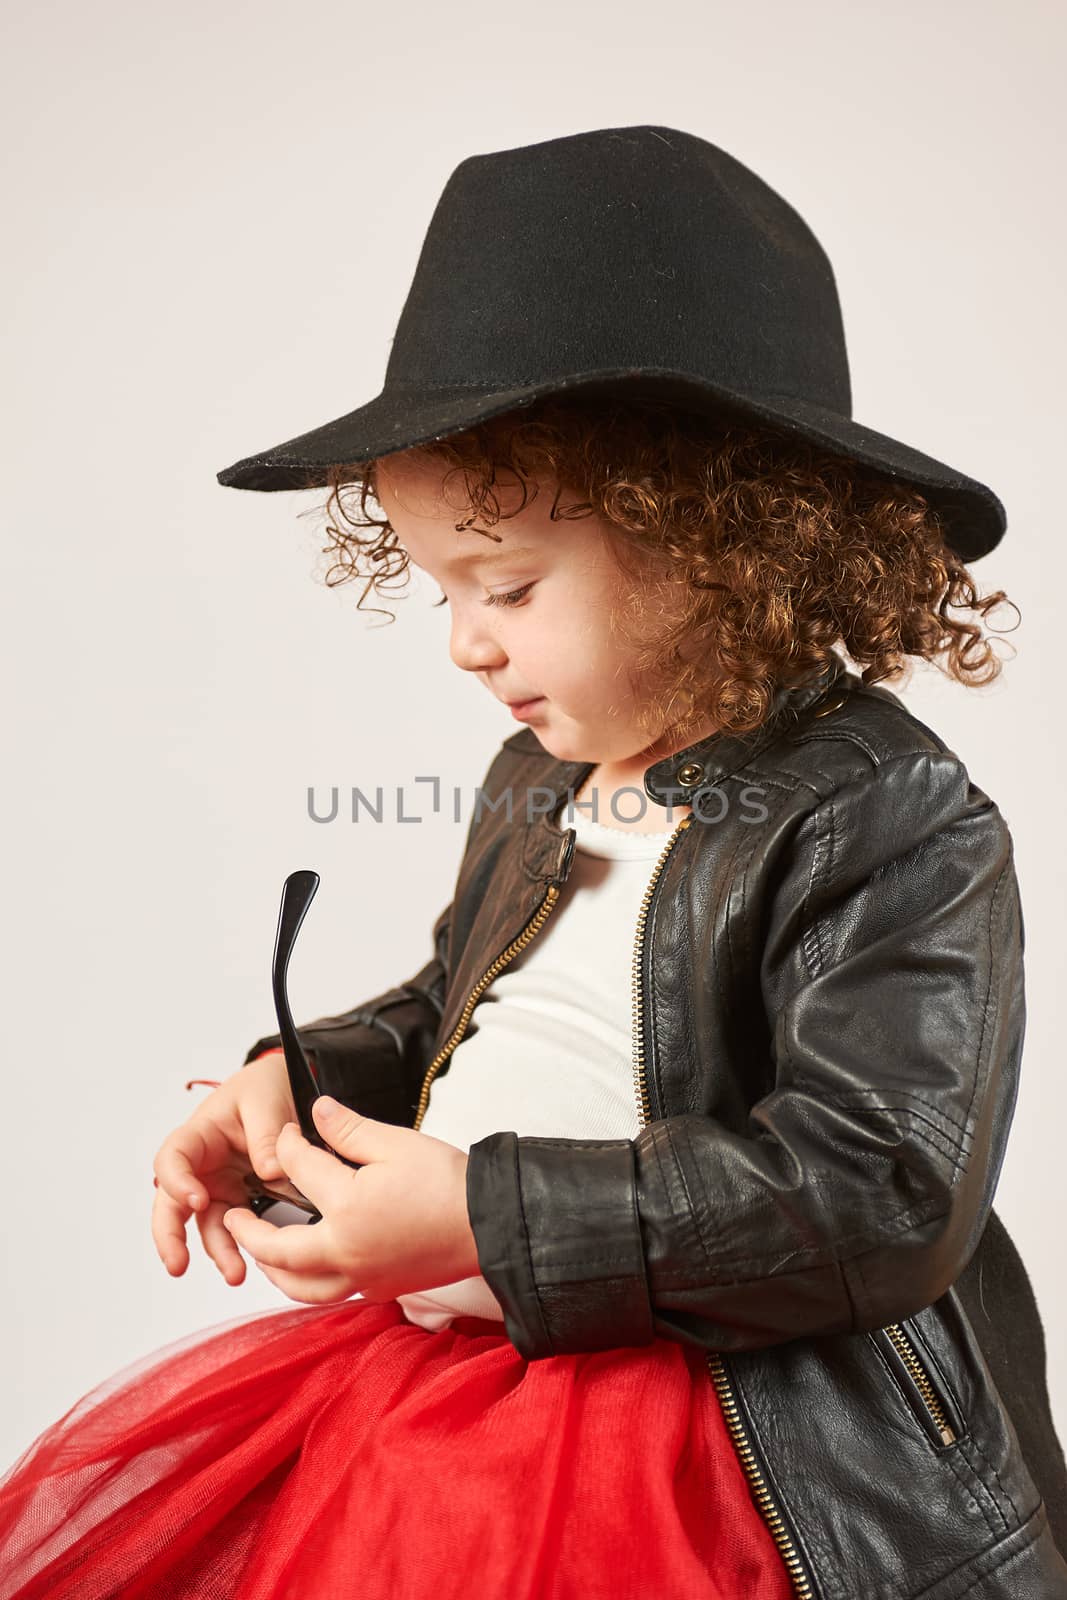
[{"x": 524, "y": 707}]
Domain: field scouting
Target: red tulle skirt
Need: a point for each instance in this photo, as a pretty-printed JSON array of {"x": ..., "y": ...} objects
[{"x": 342, "y": 1451}]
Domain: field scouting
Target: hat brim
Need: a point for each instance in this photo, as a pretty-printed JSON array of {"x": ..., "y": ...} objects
[{"x": 974, "y": 518}]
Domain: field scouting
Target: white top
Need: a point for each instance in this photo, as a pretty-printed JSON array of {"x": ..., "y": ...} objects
[{"x": 548, "y": 1050}]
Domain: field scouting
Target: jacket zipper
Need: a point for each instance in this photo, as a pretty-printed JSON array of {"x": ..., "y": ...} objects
[
  {"x": 531, "y": 929},
  {"x": 922, "y": 1381},
  {"x": 771, "y": 1513}
]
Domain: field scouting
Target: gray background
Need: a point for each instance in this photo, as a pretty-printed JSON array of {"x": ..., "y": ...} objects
[{"x": 213, "y": 215}]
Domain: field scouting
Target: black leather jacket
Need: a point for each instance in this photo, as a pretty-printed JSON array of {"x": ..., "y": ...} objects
[{"x": 828, "y": 1028}]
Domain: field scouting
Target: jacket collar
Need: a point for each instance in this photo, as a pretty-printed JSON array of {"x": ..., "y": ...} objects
[
  {"x": 718, "y": 755},
  {"x": 547, "y": 850}
]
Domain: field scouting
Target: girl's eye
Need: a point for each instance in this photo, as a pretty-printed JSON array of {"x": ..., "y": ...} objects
[{"x": 511, "y": 599}]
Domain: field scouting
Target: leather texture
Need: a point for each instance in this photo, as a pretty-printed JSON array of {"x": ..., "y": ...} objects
[{"x": 829, "y": 1022}]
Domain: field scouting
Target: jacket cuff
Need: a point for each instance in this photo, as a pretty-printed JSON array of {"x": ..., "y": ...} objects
[{"x": 534, "y": 1210}]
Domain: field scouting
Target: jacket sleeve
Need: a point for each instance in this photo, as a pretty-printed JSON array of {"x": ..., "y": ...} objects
[
  {"x": 374, "y": 1057},
  {"x": 891, "y": 975}
]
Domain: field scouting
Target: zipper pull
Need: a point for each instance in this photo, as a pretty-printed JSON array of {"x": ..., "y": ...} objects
[{"x": 564, "y": 857}]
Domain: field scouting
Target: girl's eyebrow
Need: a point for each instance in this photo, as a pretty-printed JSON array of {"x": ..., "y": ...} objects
[{"x": 483, "y": 557}]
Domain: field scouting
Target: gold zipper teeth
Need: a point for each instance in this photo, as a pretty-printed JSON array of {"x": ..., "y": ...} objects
[
  {"x": 530, "y": 930},
  {"x": 638, "y": 1032},
  {"x": 758, "y": 1483},
  {"x": 771, "y": 1515},
  {"x": 911, "y": 1358}
]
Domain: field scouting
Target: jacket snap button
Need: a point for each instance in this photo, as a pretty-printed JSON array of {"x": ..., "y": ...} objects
[
  {"x": 691, "y": 773},
  {"x": 834, "y": 705}
]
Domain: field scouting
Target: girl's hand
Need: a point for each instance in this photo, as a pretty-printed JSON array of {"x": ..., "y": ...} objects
[
  {"x": 200, "y": 1169},
  {"x": 397, "y": 1226}
]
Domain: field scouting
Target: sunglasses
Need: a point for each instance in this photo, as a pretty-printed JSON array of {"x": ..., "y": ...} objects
[{"x": 298, "y": 892}]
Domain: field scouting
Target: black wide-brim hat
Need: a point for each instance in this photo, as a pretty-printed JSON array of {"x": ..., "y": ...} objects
[{"x": 638, "y": 258}]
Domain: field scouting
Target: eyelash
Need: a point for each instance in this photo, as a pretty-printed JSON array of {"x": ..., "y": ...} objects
[{"x": 511, "y": 599}]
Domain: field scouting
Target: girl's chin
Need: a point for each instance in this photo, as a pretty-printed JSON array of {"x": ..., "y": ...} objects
[
  {"x": 571, "y": 739},
  {"x": 567, "y": 743}
]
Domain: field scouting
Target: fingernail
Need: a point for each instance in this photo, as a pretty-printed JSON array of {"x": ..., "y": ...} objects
[
  {"x": 194, "y": 1200},
  {"x": 327, "y": 1105}
]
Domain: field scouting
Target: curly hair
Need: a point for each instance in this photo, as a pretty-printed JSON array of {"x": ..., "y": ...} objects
[{"x": 780, "y": 551}]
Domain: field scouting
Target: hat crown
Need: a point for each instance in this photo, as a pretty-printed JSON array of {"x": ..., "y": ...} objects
[
  {"x": 637, "y": 248},
  {"x": 621, "y": 260}
]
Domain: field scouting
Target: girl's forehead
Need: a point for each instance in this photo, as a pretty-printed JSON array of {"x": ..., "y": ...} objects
[
  {"x": 432, "y": 501},
  {"x": 409, "y": 471}
]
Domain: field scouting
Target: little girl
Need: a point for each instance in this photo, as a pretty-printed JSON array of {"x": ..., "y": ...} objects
[{"x": 670, "y": 1267}]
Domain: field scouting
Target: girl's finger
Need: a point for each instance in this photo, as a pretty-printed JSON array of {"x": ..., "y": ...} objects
[
  {"x": 307, "y": 1289},
  {"x": 218, "y": 1242},
  {"x": 168, "y": 1232},
  {"x": 262, "y": 1125},
  {"x": 316, "y": 1173},
  {"x": 197, "y": 1146},
  {"x": 175, "y": 1175},
  {"x": 294, "y": 1247}
]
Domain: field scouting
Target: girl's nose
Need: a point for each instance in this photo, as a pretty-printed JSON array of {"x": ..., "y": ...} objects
[{"x": 472, "y": 645}]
